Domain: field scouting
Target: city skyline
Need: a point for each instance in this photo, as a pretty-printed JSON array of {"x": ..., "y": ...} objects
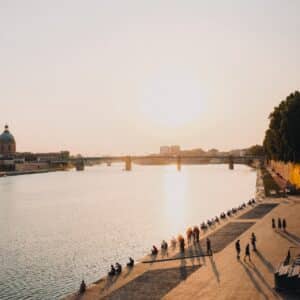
[{"x": 100, "y": 78}]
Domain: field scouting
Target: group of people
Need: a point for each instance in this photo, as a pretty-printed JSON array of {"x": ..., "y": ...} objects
[
  {"x": 117, "y": 269},
  {"x": 193, "y": 233},
  {"x": 247, "y": 248},
  {"x": 281, "y": 224}
]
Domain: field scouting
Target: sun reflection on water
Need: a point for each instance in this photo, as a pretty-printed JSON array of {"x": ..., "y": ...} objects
[{"x": 175, "y": 195}]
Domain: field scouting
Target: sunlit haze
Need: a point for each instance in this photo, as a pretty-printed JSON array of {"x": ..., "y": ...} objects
[{"x": 115, "y": 77}]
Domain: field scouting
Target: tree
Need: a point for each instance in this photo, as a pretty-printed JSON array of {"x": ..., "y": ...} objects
[
  {"x": 256, "y": 150},
  {"x": 282, "y": 138}
]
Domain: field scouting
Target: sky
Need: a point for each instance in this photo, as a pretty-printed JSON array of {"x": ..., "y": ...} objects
[{"x": 125, "y": 77}]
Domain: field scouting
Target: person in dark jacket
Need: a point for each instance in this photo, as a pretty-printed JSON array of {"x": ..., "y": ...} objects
[
  {"x": 253, "y": 241},
  {"x": 247, "y": 252},
  {"x": 288, "y": 258},
  {"x": 279, "y": 223},
  {"x": 82, "y": 287},
  {"x": 284, "y": 224},
  {"x": 273, "y": 223},
  {"x": 238, "y": 249},
  {"x": 208, "y": 247}
]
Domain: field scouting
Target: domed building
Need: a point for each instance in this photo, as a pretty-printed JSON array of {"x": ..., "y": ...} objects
[{"x": 7, "y": 143}]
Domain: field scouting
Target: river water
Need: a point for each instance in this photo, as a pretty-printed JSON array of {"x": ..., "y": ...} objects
[{"x": 58, "y": 228}]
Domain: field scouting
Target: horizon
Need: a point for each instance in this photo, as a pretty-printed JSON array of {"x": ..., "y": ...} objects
[{"x": 117, "y": 78}]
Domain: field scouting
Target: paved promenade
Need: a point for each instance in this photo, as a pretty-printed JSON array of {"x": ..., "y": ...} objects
[{"x": 219, "y": 277}]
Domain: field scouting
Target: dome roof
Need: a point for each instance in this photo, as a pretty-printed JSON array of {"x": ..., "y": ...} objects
[{"x": 6, "y": 137}]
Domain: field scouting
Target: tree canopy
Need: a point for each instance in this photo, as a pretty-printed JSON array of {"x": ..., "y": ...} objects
[
  {"x": 256, "y": 150},
  {"x": 282, "y": 138}
]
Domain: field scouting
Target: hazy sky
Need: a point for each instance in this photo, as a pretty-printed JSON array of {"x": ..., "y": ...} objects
[{"x": 100, "y": 77}]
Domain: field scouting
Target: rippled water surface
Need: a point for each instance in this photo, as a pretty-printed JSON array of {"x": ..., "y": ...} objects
[{"x": 58, "y": 228}]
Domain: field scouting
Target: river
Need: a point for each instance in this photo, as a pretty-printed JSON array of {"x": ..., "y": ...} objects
[{"x": 58, "y": 228}]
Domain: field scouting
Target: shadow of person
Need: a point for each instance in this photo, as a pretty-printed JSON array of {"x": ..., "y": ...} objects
[
  {"x": 292, "y": 236},
  {"x": 253, "y": 280},
  {"x": 287, "y": 237},
  {"x": 110, "y": 280},
  {"x": 182, "y": 270},
  {"x": 268, "y": 265},
  {"x": 201, "y": 252},
  {"x": 263, "y": 280},
  {"x": 129, "y": 270},
  {"x": 214, "y": 268}
]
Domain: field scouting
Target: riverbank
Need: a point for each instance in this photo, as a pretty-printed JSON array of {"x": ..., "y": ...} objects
[{"x": 223, "y": 277}]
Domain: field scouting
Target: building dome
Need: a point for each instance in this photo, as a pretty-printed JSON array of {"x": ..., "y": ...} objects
[{"x": 7, "y": 143}]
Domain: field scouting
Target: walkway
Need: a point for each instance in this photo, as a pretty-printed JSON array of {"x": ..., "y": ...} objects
[{"x": 220, "y": 277}]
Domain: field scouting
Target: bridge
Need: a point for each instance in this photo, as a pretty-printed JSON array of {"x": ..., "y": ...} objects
[{"x": 179, "y": 160}]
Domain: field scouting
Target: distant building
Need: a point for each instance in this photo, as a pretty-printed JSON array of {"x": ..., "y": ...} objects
[
  {"x": 169, "y": 150},
  {"x": 164, "y": 150},
  {"x": 7, "y": 144},
  {"x": 175, "y": 149}
]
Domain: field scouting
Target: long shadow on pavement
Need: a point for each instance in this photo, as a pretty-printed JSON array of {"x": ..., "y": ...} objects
[
  {"x": 263, "y": 280},
  {"x": 291, "y": 240},
  {"x": 214, "y": 267},
  {"x": 268, "y": 265},
  {"x": 253, "y": 280},
  {"x": 293, "y": 236}
]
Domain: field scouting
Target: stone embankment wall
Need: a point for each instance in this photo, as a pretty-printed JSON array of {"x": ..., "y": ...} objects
[
  {"x": 32, "y": 166},
  {"x": 289, "y": 171}
]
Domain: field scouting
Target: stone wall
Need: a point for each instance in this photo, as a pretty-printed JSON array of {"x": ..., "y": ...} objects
[
  {"x": 32, "y": 166},
  {"x": 289, "y": 171}
]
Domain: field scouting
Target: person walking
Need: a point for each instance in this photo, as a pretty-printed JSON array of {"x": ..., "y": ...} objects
[
  {"x": 284, "y": 224},
  {"x": 273, "y": 223},
  {"x": 208, "y": 247},
  {"x": 279, "y": 223},
  {"x": 247, "y": 252},
  {"x": 253, "y": 241},
  {"x": 238, "y": 249}
]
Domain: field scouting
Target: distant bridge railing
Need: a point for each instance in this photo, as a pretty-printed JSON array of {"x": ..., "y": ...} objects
[{"x": 167, "y": 159}]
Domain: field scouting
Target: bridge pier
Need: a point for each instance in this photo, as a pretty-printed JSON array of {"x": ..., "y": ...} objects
[
  {"x": 128, "y": 163},
  {"x": 79, "y": 165},
  {"x": 231, "y": 164},
  {"x": 178, "y": 163}
]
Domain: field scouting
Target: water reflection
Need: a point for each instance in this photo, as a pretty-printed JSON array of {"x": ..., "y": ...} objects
[
  {"x": 57, "y": 228},
  {"x": 175, "y": 193}
]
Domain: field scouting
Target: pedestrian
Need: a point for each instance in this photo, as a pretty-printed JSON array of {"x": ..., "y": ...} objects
[
  {"x": 189, "y": 234},
  {"x": 253, "y": 241},
  {"x": 279, "y": 223},
  {"x": 82, "y": 288},
  {"x": 273, "y": 223},
  {"x": 196, "y": 232},
  {"x": 288, "y": 258},
  {"x": 208, "y": 247},
  {"x": 238, "y": 249},
  {"x": 181, "y": 243},
  {"x": 247, "y": 252},
  {"x": 284, "y": 224}
]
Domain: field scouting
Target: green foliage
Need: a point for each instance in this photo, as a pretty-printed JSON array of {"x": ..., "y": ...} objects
[
  {"x": 269, "y": 183},
  {"x": 282, "y": 139},
  {"x": 256, "y": 150}
]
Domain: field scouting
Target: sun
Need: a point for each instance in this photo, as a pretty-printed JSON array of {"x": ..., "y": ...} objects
[{"x": 172, "y": 102}]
